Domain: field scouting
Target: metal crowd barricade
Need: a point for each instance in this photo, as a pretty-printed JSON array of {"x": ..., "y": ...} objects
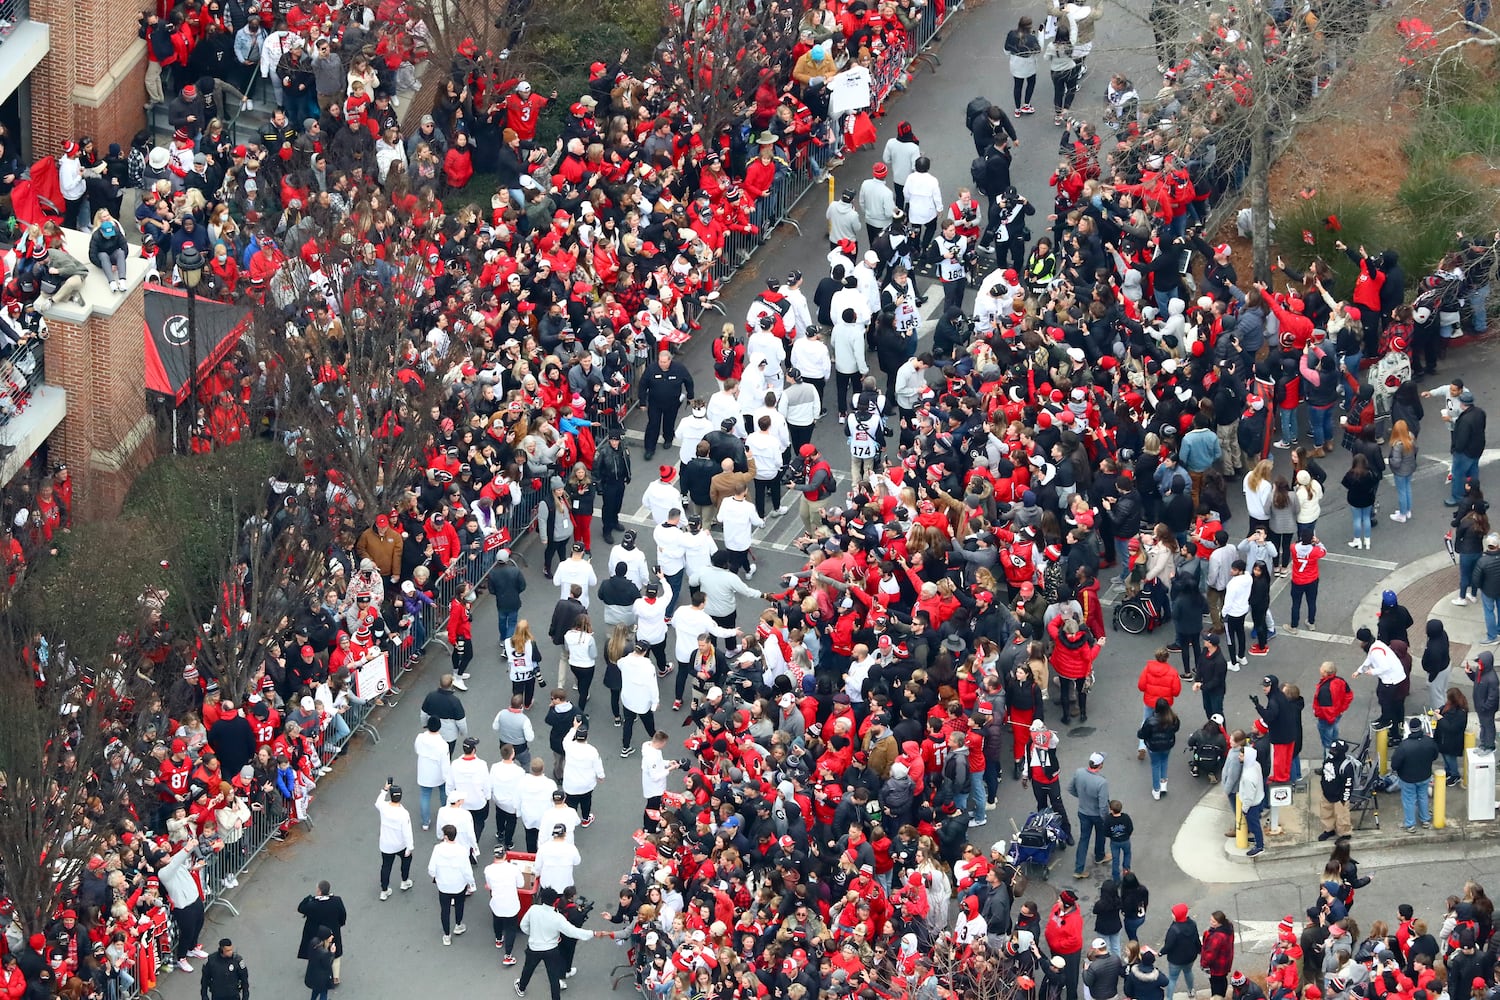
[{"x": 224, "y": 868}]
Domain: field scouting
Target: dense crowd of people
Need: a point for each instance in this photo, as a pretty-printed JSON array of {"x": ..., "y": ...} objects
[{"x": 1109, "y": 403}]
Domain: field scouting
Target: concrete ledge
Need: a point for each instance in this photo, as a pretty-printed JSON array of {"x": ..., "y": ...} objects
[{"x": 99, "y": 299}]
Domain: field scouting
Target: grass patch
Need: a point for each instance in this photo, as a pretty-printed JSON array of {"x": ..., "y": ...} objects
[{"x": 1433, "y": 203}]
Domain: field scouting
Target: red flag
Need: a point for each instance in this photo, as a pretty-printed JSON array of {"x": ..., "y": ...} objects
[
  {"x": 860, "y": 133},
  {"x": 38, "y": 198}
]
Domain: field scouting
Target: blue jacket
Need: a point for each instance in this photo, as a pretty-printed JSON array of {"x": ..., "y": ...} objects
[{"x": 1200, "y": 449}]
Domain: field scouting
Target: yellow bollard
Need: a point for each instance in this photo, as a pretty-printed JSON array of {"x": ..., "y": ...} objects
[
  {"x": 832, "y": 189},
  {"x": 1241, "y": 827},
  {"x": 1439, "y": 798},
  {"x": 1382, "y": 749},
  {"x": 1471, "y": 740}
]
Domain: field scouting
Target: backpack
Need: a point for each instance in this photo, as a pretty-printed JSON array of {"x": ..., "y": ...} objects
[
  {"x": 977, "y": 171},
  {"x": 833, "y": 479},
  {"x": 973, "y": 110}
]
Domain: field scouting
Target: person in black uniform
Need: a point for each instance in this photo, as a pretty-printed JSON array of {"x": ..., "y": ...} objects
[
  {"x": 225, "y": 976},
  {"x": 662, "y": 390},
  {"x": 612, "y": 472}
]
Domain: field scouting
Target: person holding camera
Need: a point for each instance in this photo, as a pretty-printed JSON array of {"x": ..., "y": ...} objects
[
  {"x": 951, "y": 252},
  {"x": 396, "y": 839},
  {"x": 545, "y": 927}
]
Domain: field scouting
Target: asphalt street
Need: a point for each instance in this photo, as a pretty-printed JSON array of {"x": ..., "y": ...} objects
[{"x": 395, "y": 945}]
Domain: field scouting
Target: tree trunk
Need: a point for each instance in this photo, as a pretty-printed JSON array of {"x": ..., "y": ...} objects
[
  {"x": 1261, "y": 155},
  {"x": 1259, "y": 180}
]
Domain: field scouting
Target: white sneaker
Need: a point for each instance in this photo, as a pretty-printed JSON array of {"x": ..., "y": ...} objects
[
  {"x": 43, "y": 303},
  {"x": 752, "y": 571},
  {"x": 1460, "y": 602},
  {"x": 1367, "y": 542},
  {"x": 447, "y": 940},
  {"x": 1156, "y": 793},
  {"x": 1355, "y": 543},
  {"x": 572, "y": 972},
  {"x": 1234, "y": 665},
  {"x": 230, "y": 882},
  {"x": 459, "y": 928},
  {"x": 197, "y": 952},
  {"x": 184, "y": 965},
  {"x": 460, "y": 683},
  {"x": 385, "y": 894},
  {"x": 406, "y": 885},
  {"x": 781, "y": 510},
  {"x": 1164, "y": 786},
  {"x": 1398, "y": 517}
]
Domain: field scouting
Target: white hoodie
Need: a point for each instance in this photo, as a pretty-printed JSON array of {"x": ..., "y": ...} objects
[{"x": 739, "y": 520}]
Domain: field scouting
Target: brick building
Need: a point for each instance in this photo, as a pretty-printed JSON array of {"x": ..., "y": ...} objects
[{"x": 69, "y": 69}]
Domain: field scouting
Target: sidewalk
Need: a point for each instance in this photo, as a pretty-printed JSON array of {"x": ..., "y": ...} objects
[{"x": 1203, "y": 852}]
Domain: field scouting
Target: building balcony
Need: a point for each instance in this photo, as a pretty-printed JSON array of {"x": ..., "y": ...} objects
[
  {"x": 30, "y": 410},
  {"x": 24, "y": 43}
]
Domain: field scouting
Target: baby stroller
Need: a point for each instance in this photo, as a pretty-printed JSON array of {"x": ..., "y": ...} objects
[
  {"x": 1205, "y": 759},
  {"x": 1033, "y": 843},
  {"x": 1387, "y": 375}
]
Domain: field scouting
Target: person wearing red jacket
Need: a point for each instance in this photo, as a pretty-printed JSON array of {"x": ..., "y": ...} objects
[
  {"x": 1158, "y": 679},
  {"x": 1217, "y": 955},
  {"x": 1074, "y": 650},
  {"x": 1305, "y": 557},
  {"x": 523, "y": 109},
  {"x": 1330, "y": 701},
  {"x": 458, "y": 163},
  {"x": 461, "y": 634},
  {"x": 1064, "y": 935},
  {"x": 443, "y": 536}
]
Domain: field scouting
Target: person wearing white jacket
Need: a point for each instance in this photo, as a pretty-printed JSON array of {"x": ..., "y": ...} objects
[
  {"x": 766, "y": 448},
  {"x": 469, "y": 781},
  {"x": 651, "y": 610},
  {"x": 800, "y": 315},
  {"x": 739, "y": 520},
  {"x": 752, "y": 395},
  {"x": 637, "y": 569},
  {"x": 802, "y": 403},
  {"x": 505, "y": 792},
  {"x": 924, "y": 200},
  {"x": 576, "y": 569},
  {"x": 535, "y": 794},
  {"x": 698, "y": 547},
  {"x": 504, "y": 879},
  {"x": 181, "y": 890},
  {"x": 849, "y": 363},
  {"x": 692, "y": 623},
  {"x": 556, "y": 860},
  {"x": 583, "y": 769},
  {"x": 396, "y": 839},
  {"x": 455, "y": 815},
  {"x": 432, "y": 767},
  {"x": 449, "y": 869},
  {"x": 690, "y": 430},
  {"x": 654, "y": 770},
  {"x": 639, "y": 696}
]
